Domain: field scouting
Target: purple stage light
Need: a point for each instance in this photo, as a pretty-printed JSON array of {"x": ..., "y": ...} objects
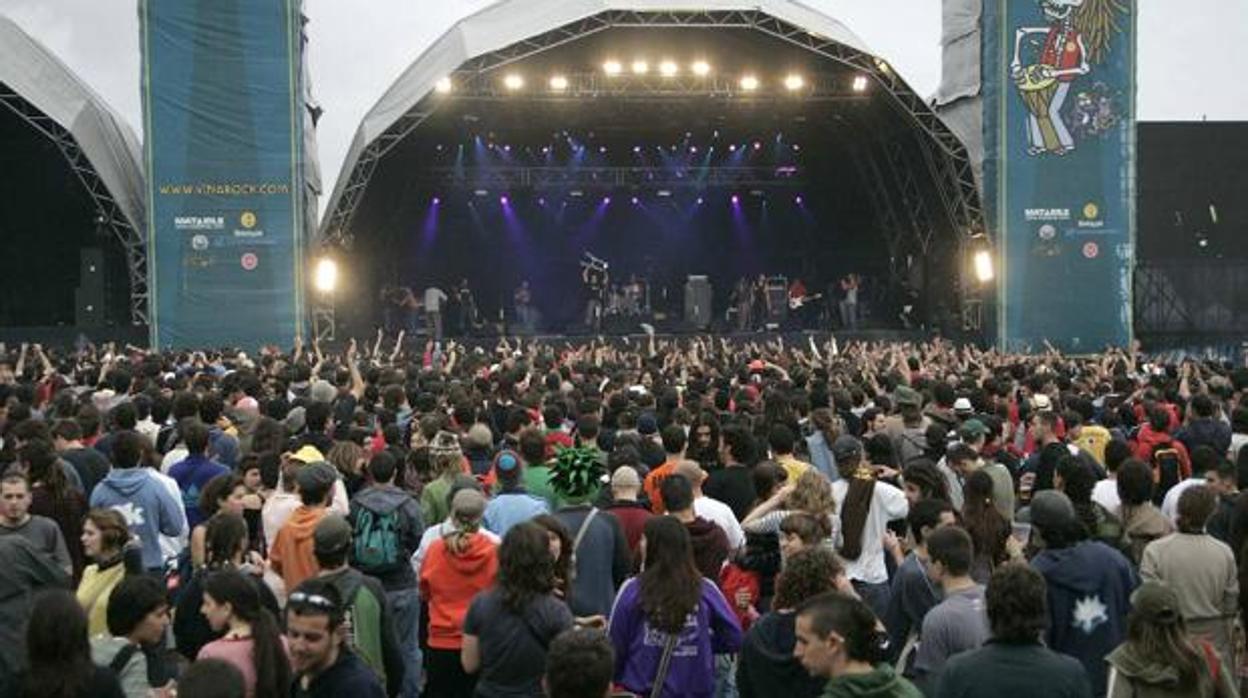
[
  {"x": 757, "y": 145},
  {"x": 541, "y": 201},
  {"x": 504, "y": 200},
  {"x": 636, "y": 149},
  {"x": 606, "y": 200},
  {"x": 602, "y": 148},
  {"x": 507, "y": 149},
  {"x": 798, "y": 199},
  {"x": 437, "y": 200},
  {"x": 545, "y": 150},
  {"x": 732, "y": 147},
  {"x": 699, "y": 201},
  {"x": 693, "y": 148},
  {"x": 736, "y": 199},
  {"x": 635, "y": 201}
]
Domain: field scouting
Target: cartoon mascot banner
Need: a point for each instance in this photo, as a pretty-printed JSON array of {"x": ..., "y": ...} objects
[{"x": 1059, "y": 171}]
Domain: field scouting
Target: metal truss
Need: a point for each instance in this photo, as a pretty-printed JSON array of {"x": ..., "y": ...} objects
[
  {"x": 510, "y": 178},
  {"x": 324, "y": 321},
  {"x": 950, "y": 159},
  {"x": 822, "y": 87},
  {"x": 881, "y": 204},
  {"x": 108, "y": 213}
]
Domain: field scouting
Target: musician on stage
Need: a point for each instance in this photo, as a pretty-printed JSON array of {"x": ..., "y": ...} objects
[
  {"x": 466, "y": 307},
  {"x": 797, "y": 301},
  {"x": 523, "y": 299},
  {"x": 849, "y": 302},
  {"x": 742, "y": 297},
  {"x": 594, "y": 276},
  {"x": 760, "y": 303}
]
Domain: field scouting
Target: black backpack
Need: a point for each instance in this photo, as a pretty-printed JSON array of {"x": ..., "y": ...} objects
[{"x": 1167, "y": 469}]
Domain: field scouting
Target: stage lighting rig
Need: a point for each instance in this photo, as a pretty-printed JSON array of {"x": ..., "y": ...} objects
[
  {"x": 326, "y": 275},
  {"x": 612, "y": 68},
  {"x": 860, "y": 83},
  {"x": 513, "y": 82},
  {"x": 701, "y": 68},
  {"x": 794, "y": 82},
  {"x": 749, "y": 83},
  {"x": 668, "y": 69},
  {"x": 444, "y": 85}
]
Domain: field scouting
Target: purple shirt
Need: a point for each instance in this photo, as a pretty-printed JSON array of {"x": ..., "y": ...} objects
[
  {"x": 711, "y": 629},
  {"x": 192, "y": 474}
]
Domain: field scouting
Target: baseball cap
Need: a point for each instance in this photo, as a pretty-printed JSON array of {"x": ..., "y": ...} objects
[
  {"x": 315, "y": 475},
  {"x": 1041, "y": 402},
  {"x": 308, "y": 454},
  {"x": 625, "y": 476},
  {"x": 846, "y": 447},
  {"x": 907, "y": 397},
  {"x": 332, "y": 534},
  {"x": 1051, "y": 509},
  {"x": 972, "y": 429},
  {"x": 468, "y": 505},
  {"x": 1157, "y": 602},
  {"x": 962, "y": 405}
]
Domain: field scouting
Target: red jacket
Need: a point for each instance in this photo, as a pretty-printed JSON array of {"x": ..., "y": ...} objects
[{"x": 449, "y": 581}]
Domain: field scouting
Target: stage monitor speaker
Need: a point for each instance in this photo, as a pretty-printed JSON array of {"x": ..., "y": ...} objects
[
  {"x": 698, "y": 299},
  {"x": 89, "y": 296}
]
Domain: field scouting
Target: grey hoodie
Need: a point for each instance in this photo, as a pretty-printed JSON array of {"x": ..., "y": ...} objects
[{"x": 382, "y": 500}]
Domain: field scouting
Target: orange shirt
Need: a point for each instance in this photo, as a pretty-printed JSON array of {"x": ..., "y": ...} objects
[
  {"x": 653, "y": 481},
  {"x": 291, "y": 555}
]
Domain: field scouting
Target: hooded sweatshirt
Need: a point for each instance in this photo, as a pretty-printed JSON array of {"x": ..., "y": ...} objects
[
  {"x": 371, "y": 633},
  {"x": 880, "y": 683},
  {"x": 448, "y": 581},
  {"x": 711, "y": 629},
  {"x": 148, "y": 508},
  {"x": 292, "y": 554},
  {"x": 388, "y": 504},
  {"x": 1089, "y": 590},
  {"x": 710, "y": 546},
  {"x": 1134, "y": 675},
  {"x": 767, "y": 666}
]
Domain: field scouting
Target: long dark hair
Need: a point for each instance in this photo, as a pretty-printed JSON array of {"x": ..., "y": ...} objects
[
  {"x": 268, "y": 656},
  {"x": 857, "y": 505},
  {"x": 224, "y": 537},
  {"x": 988, "y": 528},
  {"x": 1165, "y": 642},
  {"x": 57, "y": 648},
  {"x": 671, "y": 584},
  {"x": 563, "y": 566},
  {"x": 525, "y": 568}
]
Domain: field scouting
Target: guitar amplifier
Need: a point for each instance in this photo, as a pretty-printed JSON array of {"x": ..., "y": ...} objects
[
  {"x": 778, "y": 298},
  {"x": 699, "y": 296}
]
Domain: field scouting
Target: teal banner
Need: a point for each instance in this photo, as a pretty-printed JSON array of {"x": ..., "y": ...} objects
[
  {"x": 1059, "y": 169},
  {"x": 222, "y": 124}
]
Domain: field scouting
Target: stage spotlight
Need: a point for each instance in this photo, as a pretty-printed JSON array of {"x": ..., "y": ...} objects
[
  {"x": 541, "y": 201},
  {"x": 736, "y": 199},
  {"x": 757, "y": 145},
  {"x": 860, "y": 83},
  {"x": 983, "y": 266},
  {"x": 794, "y": 82},
  {"x": 882, "y": 65},
  {"x": 443, "y": 85},
  {"x": 606, "y": 200},
  {"x": 602, "y": 149},
  {"x": 326, "y": 275},
  {"x": 437, "y": 200},
  {"x": 635, "y": 201},
  {"x": 732, "y": 147},
  {"x": 693, "y": 148},
  {"x": 749, "y": 83},
  {"x": 796, "y": 147},
  {"x": 504, "y": 200},
  {"x": 640, "y": 67},
  {"x": 668, "y": 69},
  {"x": 513, "y": 82},
  {"x": 558, "y": 83},
  {"x": 700, "y": 201},
  {"x": 798, "y": 199},
  {"x": 701, "y": 68},
  {"x": 612, "y": 68},
  {"x": 636, "y": 149}
]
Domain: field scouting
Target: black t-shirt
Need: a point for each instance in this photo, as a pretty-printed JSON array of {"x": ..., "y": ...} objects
[
  {"x": 513, "y": 649},
  {"x": 733, "y": 486},
  {"x": 349, "y": 676},
  {"x": 90, "y": 464}
]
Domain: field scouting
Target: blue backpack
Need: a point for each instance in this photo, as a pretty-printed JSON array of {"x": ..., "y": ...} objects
[{"x": 378, "y": 541}]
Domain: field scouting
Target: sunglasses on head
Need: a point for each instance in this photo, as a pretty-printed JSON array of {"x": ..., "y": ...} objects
[{"x": 315, "y": 600}]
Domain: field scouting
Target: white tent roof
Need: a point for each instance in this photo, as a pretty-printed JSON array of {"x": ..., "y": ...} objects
[
  {"x": 30, "y": 70},
  {"x": 509, "y": 21}
]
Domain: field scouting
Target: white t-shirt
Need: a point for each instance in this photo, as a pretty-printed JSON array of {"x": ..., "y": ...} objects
[
  {"x": 1170, "y": 505},
  {"x": 434, "y": 298},
  {"x": 721, "y": 515},
  {"x": 1105, "y": 493},
  {"x": 887, "y": 504}
]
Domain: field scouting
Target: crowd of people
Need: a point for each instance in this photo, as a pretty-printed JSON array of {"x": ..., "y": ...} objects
[{"x": 683, "y": 517}]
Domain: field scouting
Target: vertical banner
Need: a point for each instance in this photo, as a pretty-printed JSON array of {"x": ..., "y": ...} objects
[
  {"x": 221, "y": 101},
  {"x": 1059, "y": 171}
]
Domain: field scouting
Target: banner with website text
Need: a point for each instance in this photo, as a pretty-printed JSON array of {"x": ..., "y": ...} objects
[
  {"x": 1059, "y": 169},
  {"x": 221, "y": 100}
]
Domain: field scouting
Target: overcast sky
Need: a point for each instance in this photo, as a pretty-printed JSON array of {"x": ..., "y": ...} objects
[{"x": 1191, "y": 52}]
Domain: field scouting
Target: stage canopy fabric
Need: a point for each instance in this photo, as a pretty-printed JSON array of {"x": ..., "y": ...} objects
[
  {"x": 507, "y": 22},
  {"x": 38, "y": 77}
]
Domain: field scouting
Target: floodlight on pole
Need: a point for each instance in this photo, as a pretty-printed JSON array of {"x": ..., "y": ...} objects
[
  {"x": 749, "y": 83},
  {"x": 443, "y": 85},
  {"x": 983, "y": 266},
  {"x": 326, "y": 275}
]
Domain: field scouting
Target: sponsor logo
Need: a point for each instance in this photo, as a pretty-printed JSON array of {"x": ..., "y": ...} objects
[
  {"x": 1091, "y": 216},
  {"x": 199, "y": 243},
  {"x": 247, "y": 220},
  {"x": 1046, "y": 214},
  {"x": 1047, "y": 232},
  {"x": 249, "y": 261},
  {"x": 1091, "y": 249},
  {"x": 199, "y": 222}
]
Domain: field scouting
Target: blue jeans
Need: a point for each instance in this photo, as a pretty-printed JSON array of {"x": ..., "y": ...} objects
[
  {"x": 725, "y": 676},
  {"x": 405, "y": 605}
]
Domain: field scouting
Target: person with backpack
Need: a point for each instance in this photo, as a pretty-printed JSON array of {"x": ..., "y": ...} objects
[
  {"x": 371, "y": 631},
  {"x": 509, "y": 628},
  {"x": 1169, "y": 458},
  {"x": 138, "y": 614},
  {"x": 1159, "y": 659},
  {"x": 387, "y": 525}
]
